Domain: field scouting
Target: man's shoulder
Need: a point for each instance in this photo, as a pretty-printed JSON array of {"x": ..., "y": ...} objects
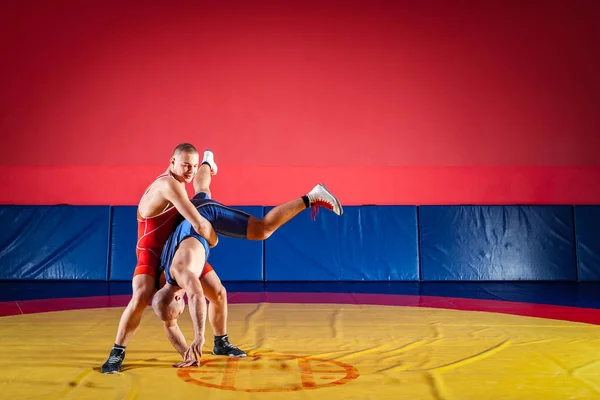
[
  {"x": 165, "y": 182},
  {"x": 158, "y": 187}
]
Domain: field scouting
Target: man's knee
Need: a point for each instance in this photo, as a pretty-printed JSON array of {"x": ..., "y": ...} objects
[
  {"x": 204, "y": 190},
  {"x": 221, "y": 294},
  {"x": 141, "y": 297},
  {"x": 143, "y": 289},
  {"x": 258, "y": 229}
]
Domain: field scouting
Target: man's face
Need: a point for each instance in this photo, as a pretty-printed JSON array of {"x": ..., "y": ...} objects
[{"x": 184, "y": 166}]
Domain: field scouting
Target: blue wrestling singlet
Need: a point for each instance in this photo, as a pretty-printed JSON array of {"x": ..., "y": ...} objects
[{"x": 226, "y": 222}]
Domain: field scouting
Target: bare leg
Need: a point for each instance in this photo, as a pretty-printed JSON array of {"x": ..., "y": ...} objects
[
  {"x": 143, "y": 290},
  {"x": 217, "y": 315},
  {"x": 258, "y": 229},
  {"x": 319, "y": 196},
  {"x": 261, "y": 229},
  {"x": 217, "y": 309},
  {"x": 202, "y": 180}
]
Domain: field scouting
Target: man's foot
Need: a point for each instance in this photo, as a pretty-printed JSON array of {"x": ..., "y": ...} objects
[
  {"x": 113, "y": 364},
  {"x": 321, "y": 197},
  {"x": 224, "y": 348},
  {"x": 209, "y": 158}
]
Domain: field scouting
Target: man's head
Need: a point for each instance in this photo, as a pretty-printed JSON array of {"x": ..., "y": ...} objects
[
  {"x": 184, "y": 163},
  {"x": 168, "y": 303}
]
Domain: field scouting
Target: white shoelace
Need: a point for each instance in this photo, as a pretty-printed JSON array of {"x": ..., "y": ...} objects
[{"x": 114, "y": 359}]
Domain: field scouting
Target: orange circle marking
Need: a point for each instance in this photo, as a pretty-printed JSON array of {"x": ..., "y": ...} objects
[{"x": 244, "y": 374}]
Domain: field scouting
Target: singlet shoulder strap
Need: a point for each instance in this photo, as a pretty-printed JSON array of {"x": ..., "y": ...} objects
[
  {"x": 156, "y": 180},
  {"x": 148, "y": 189}
]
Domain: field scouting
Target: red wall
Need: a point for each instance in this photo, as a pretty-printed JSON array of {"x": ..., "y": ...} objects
[{"x": 397, "y": 102}]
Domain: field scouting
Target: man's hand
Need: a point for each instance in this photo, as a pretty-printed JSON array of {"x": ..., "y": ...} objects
[{"x": 191, "y": 358}]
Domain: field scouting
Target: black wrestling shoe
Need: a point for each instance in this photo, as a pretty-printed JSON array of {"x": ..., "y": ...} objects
[
  {"x": 113, "y": 364},
  {"x": 224, "y": 348}
]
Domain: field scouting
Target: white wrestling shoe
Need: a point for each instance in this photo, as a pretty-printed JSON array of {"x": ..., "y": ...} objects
[
  {"x": 321, "y": 197},
  {"x": 209, "y": 158}
]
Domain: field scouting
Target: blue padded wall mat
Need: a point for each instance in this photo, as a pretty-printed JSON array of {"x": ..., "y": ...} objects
[
  {"x": 489, "y": 243},
  {"x": 366, "y": 243},
  {"x": 122, "y": 243},
  {"x": 587, "y": 234},
  {"x": 54, "y": 242},
  {"x": 239, "y": 259},
  {"x": 232, "y": 259}
]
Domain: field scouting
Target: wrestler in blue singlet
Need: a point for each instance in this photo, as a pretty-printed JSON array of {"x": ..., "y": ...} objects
[{"x": 226, "y": 221}]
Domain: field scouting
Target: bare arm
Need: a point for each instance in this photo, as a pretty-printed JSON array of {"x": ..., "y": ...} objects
[
  {"x": 176, "y": 194},
  {"x": 197, "y": 304},
  {"x": 175, "y": 336}
]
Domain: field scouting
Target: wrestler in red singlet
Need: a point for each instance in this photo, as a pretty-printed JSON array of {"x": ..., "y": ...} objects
[{"x": 153, "y": 233}]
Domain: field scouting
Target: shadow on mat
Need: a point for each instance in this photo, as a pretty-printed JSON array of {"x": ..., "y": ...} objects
[{"x": 149, "y": 363}]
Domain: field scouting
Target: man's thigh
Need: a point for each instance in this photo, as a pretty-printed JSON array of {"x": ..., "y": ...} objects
[{"x": 190, "y": 255}]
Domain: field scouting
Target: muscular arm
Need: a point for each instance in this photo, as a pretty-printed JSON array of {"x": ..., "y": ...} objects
[
  {"x": 196, "y": 302},
  {"x": 176, "y": 194},
  {"x": 175, "y": 336}
]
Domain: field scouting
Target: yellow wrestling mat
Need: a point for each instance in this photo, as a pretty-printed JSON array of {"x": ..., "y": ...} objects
[{"x": 301, "y": 351}]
